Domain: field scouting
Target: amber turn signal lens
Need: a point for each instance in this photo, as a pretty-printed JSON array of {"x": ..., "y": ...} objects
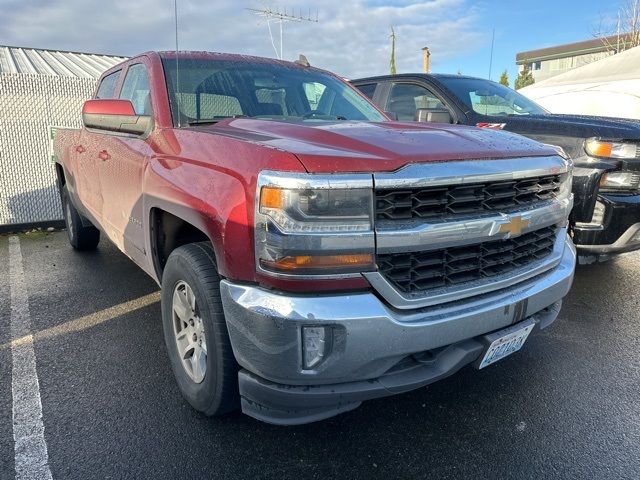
[
  {"x": 271, "y": 197},
  {"x": 320, "y": 262},
  {"x": 599, "y": 149}
]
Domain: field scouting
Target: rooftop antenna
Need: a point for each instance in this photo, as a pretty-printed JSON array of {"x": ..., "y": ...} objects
[
  {"x": 280, "y": 16},
  {"x": 177, "y": 93},
  {"x": 493, "y": 36}
]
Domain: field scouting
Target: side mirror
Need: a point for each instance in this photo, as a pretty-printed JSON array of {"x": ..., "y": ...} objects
[
  {"x": 436, "y": 115},
  {"x": 114, "y": 116},
  {"x": 392, "y": 115}
]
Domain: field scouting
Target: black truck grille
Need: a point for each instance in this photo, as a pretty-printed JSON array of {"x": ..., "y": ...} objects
[
  {"x": 441, "y": 203},
  {"x": 421, "y": 271}
]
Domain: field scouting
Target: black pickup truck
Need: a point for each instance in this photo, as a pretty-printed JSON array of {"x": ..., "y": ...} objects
[{"x": 606, "y": 151}]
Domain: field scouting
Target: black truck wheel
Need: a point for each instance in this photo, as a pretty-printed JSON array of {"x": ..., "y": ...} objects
[
  {"x": 195, "y": 331},
  {"x": 81, "y": 237}
]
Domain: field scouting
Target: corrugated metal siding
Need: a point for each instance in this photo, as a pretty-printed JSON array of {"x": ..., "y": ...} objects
[
  {"x": 55, "y": 62},
  {"x": 38, "y": 89}
]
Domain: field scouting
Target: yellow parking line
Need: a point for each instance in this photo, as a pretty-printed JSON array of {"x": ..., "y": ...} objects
[{"x": 87, "y": 321}]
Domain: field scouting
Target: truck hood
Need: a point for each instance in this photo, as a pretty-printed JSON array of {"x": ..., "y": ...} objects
[
  {"x": 346, "y": 146},
  {"x": 583, "y": 126}
]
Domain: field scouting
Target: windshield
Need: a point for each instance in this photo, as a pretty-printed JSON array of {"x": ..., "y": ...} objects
[
  {"x": 489, "y": 98},
  {"x": 209, "y": 90}
]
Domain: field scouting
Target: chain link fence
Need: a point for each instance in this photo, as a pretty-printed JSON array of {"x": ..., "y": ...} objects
[{"x": 29, "y": 105}]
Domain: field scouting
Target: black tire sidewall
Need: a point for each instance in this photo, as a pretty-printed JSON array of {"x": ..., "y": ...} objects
[
  {"x": 81, "y": 237},
  {"x": 207, "y": 395},
  {"x": 70, "y": 211}
]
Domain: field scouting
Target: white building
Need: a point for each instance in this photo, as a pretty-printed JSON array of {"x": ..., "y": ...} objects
[
  {"x": 38, "y": 89},
  {"x": 609, "y": 87},
  {"x": 548, "y": 62}
]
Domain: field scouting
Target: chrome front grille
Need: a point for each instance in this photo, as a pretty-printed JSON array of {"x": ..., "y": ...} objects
[
  {"x": 440, "y": 203},
  {"x": 452, "y": 230},
  {"x": 416, "y": 272}
]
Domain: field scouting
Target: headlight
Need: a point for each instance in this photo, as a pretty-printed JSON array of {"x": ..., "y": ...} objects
[
  {"x": 620, "y": 181},
  {"x": 314, "y": 225},
  {"x": 599, "y": 148},
  {"x": 317, "y": 210}
]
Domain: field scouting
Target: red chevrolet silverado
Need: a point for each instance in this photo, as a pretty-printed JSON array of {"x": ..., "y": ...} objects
[{"x": 312, "y": 253}]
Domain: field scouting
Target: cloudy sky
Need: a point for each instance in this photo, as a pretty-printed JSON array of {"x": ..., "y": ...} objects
[{"x": 350, "y": 38}]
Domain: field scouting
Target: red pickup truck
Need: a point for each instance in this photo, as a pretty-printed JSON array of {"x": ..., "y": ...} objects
[{"x": 313, "y": 254}]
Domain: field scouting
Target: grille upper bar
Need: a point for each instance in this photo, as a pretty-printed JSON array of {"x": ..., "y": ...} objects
[{"x": 464, "y": 172}]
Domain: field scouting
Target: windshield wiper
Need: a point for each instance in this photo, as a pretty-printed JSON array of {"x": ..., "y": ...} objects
[
  {"x": 211, "y": 121},
  {"x": 205, "y": 122}
]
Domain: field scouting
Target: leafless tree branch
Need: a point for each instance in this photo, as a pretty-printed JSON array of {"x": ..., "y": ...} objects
[{"x": 624, "y": 33}]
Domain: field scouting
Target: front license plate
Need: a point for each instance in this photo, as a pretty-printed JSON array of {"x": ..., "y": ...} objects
[{"x": 505, "y": 342}]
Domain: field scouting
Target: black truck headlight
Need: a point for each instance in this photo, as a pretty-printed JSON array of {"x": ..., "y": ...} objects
[
  {"x": 314, "y": 225},
  {"x": 603, "y": 149},
  {"x": 620, "y": 182}
]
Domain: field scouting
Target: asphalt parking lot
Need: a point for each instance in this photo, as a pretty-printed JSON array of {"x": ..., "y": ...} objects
[{"x": 566, "y": 406}]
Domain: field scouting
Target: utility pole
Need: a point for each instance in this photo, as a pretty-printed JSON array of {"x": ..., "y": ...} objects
[
  {"x": 426, "y": 60},
  {"x": 280, "y": 16},
  {"x": 392, "y": 62}
]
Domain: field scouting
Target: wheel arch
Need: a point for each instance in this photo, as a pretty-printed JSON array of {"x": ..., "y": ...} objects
[{"x": 172, "y": 226}]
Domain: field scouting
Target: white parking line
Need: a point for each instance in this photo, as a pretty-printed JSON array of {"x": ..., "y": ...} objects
[{"x": 31, "y": 457}]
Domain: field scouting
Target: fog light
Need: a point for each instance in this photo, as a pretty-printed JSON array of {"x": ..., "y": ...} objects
[{"x": 313, "y": 346}]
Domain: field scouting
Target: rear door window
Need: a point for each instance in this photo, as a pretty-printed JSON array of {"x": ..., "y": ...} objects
[{"x": 271, "y": 101}]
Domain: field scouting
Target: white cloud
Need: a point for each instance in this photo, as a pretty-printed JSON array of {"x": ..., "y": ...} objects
[{"x": 351, "y": 37}]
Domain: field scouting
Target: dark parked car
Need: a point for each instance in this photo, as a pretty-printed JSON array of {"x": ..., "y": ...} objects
[{"x": 605, "y": 151}]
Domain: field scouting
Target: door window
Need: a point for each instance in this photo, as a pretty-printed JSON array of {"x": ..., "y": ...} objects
[
  {"x": 107, "y": 88},
  {"x": 369, "y": 89},
  {"x": 136, "y": 89},
  {"x": 405, "y": 98}
]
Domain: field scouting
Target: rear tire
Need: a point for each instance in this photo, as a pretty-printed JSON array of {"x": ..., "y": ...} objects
[
  {"x": 195, "y": 331},
  {"x": 80, "y": 237}
]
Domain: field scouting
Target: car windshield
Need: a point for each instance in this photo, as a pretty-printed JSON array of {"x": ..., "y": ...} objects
[
  {"x": 209, "y": 90},
  {"x": 490, "y": 98}
]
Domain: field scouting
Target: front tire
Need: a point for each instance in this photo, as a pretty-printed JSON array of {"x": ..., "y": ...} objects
[
  {"x": 195, "y": 331},
  {"x": 80, "y": 237}
]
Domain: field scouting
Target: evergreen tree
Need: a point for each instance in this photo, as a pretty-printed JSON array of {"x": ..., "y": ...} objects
[
  {"x": 504, "y": 79},
  {"x": 525, "y": 78}
]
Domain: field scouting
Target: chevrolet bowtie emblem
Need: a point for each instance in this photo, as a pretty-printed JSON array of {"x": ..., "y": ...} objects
[{"x": 515, "y": 226}]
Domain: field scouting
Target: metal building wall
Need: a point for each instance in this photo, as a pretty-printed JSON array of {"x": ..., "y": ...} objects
[{"x": 29, "y": 104}]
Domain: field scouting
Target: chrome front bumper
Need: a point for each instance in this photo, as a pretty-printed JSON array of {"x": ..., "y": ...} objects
[{"x": 367, "y": 336}]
